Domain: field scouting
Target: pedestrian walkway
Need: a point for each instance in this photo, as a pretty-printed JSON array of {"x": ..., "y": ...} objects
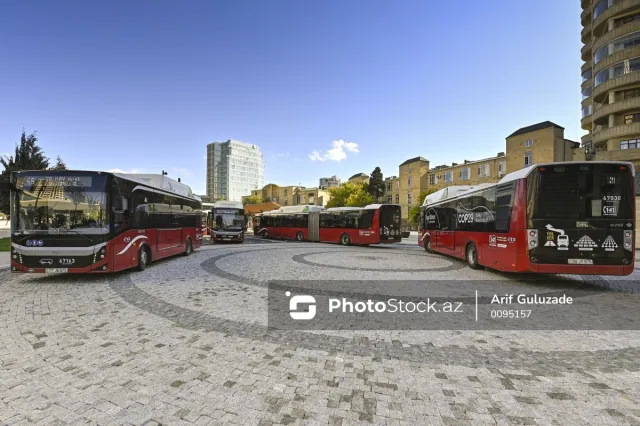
[{"x": 4, "y": 260}]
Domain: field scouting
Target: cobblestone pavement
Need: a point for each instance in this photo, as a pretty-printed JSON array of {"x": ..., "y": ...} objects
[{"x": 185, "y": 342}]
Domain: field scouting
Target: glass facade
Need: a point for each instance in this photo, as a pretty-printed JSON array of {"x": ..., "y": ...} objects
[
  {"x": 601, "y": 6},
  {"x": 586, "y": 92},
  {"x": 617, "y": 45},
  {"x": 234, "y": 169},
  {"x": 616, "y": 70},
  {"x": 586, "y": 111},
  {"x": 587, "y": 75}
]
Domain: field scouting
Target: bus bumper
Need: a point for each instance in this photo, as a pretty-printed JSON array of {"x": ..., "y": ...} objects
[
  {"x": 227, "y": 236},
  {"x": 546, "y": 268},
  {"x": 99, "y": 267}
]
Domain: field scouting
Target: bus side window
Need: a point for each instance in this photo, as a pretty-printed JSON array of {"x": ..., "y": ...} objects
[{"x": 504, "y": 203}]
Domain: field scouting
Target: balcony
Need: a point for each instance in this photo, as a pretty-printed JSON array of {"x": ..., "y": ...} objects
[
  {"x": 585, "y": 16},
  {"x": 585, "y": 52},
  {"x": 586, "y": 122},
  {"x": 585, "y": 84},
  {"x": 588, "y": 64},
  {"x": 616, "y": 132},
  {"x": 600, "y": 91},
  {"x": 619, "y": 7},
  {"x": 616, "y": 58},
  {"x": 616, "y": 107},
  {"x": 585, "y": 34},
  {"x": 628, "y": 28},
  {"x": 585, "y": 4},
  {"x": 586, "y": 139}
]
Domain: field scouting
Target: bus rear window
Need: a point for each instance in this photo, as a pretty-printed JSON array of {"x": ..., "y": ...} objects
[{"x": 580, "y": 191}]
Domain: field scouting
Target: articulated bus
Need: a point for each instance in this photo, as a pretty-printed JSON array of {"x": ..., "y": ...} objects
[
  {"x": 227, "y": 221},
  {"x": 89, "y": 221},
  {"x": 556, "y": 218},
  {"x": 372, "y": 224}
]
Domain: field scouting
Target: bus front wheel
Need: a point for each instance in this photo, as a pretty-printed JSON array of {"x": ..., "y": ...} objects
[
  {"x": 345, "y": 240},
  {"x": 265, "y": 235},
  {"x": 427, "y": 245},
  {"x": 143, "y": 258},
  {"x": 472, "y": 256}
]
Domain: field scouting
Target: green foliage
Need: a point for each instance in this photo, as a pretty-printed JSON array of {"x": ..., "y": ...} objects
[
  {"x": 252, "y": 199},
  {"x": 376, "y": 183},
  {"x": 350, "y": 195},
  {"x": 5, "y": 243},
  {"x": 60, "y": 165},
  {"x": 28, "y": 156},
  {"x": 414, "y": 212}
]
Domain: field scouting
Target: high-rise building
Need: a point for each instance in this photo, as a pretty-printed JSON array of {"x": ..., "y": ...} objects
[
  {"x": 611, "y": 79},
  {"x": 329, "y": 182},
  {"x": 234, "y": 169}
]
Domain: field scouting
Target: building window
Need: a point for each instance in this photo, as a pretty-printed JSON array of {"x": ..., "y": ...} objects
[
  {"x": 630, "y": 144},
  {"x": 432, "y": 179},
  {"x": 448, "y": 177},
  {"x": 465, "y": 174},
  {"x": 484, "y": 170},
  {"x": 389, "y": 200},
  {"x": 587, "y": 92},
  {"x": 631, "y": 93},
  {"x": 409, "y": 199},
  {"x": 502, "y": 168},
  {"x": 616, "y": 70},
  {"x": 397, "y": 198},
  {"x": 409, "y": 182},
  {"x": 631, "y": 118},
  {"x": 389, "y": 187},
  {"x": 528, "y": 143},
  {"x": 528, "y": 158},
  {"x": 621, "y": 21}
]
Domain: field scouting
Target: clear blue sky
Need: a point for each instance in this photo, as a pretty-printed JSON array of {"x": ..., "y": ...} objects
[{"x": 145, "y": 85}]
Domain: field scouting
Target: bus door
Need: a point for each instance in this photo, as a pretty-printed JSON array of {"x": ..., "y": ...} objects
[{"x": 445, "y": 237}]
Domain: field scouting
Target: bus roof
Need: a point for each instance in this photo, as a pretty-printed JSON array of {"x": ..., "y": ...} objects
[
  {"x": 223, "y": 204},
  {"x": 377, "y": 206},
  {"x": 513, "y": 176},
  {"x": 160, "y": 182},
  {"x": 523, "y": 173}
]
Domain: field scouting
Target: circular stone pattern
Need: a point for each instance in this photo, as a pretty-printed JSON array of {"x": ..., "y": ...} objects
[{"x": 389, "y": 261}]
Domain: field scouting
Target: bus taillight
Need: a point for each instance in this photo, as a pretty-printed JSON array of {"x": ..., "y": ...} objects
[
  {"x": 628, "y": 238},
  {"x": 532, "y": 238}
]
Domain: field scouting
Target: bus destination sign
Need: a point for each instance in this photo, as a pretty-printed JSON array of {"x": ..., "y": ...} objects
[{"x": 82, "y": 181}]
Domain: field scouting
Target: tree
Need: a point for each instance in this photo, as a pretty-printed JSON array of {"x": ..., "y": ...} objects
[
  {"x": 60, "y": 165},
  {"x": 252, "y": 199},
  {"x": 28, "y": 156},
  {"x": 350, "y": 195},
  {"x": 376, "y": 183},
  {"x": 414, "y": 212}
]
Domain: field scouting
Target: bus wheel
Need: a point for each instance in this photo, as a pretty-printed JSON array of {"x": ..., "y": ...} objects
[
  {"x": 265, "y": 235},
  {"x": 472, "y": 256},
  {"x": 427, "y": 245},
  {"x": 299, "y": 236},
  {"x": 143, "y": 258},
  {"x": 189, "y": 249},
  {"x": 345, "y": 240}
]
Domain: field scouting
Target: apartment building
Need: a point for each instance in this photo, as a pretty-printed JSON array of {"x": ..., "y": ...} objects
[
  {"x": 293, "y": 195},
  {"x": 611, "y": 80},
  {"x": 392, "y": 190},
  {"x": 234, "y": 169},
  {"x": 329, "y": 182}
]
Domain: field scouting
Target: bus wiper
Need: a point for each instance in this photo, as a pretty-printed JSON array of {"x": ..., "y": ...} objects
[{"x": 67, "y": 230}]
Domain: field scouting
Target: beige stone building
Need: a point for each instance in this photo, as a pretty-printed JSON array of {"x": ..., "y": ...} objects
[
  {"x": 293, "y": 195},
  {"x": 359, "y": 178},
  {"x": 540, "y": 143},
  {"x": 412, "y": 178}
]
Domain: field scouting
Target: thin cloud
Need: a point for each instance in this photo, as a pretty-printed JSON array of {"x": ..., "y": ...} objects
[
  {"x": 182, "y": 171},
  {"x": 132, "y": 171},
  {"x": 338, "y": 152}
]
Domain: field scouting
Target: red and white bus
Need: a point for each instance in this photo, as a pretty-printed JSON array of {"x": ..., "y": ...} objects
[
  {"x": 88, "y": 221},
  {"x": 372, "y": 224},
  {"x": 556, "y": 218}
]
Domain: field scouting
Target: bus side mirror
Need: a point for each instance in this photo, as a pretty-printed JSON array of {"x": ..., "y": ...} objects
[{"x": 119, "y": 204}]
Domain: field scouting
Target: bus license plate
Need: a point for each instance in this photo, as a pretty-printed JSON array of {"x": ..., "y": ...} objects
[
  {"x": 56, "y": 270},
  {"x": 581, "y": 261}
]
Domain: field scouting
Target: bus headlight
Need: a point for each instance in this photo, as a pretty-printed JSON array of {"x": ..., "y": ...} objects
[
  {"x": 532, "y": 238},
  {"x": 628, "y": 240}
]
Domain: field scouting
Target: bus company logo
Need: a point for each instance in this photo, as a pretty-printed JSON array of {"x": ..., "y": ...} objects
[
  {"x": 301, "y": 300},
  {"x": 492, "y": 240},
  {"x": 35, "y": 243},
  {"x": 127, "y": 239}
]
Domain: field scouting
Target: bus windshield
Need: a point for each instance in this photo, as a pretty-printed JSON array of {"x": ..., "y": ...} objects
[
  {"x": 228, "y": 219},
  {"x": 54, "y": 202},
  {"x": 580, "y": 191}
]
